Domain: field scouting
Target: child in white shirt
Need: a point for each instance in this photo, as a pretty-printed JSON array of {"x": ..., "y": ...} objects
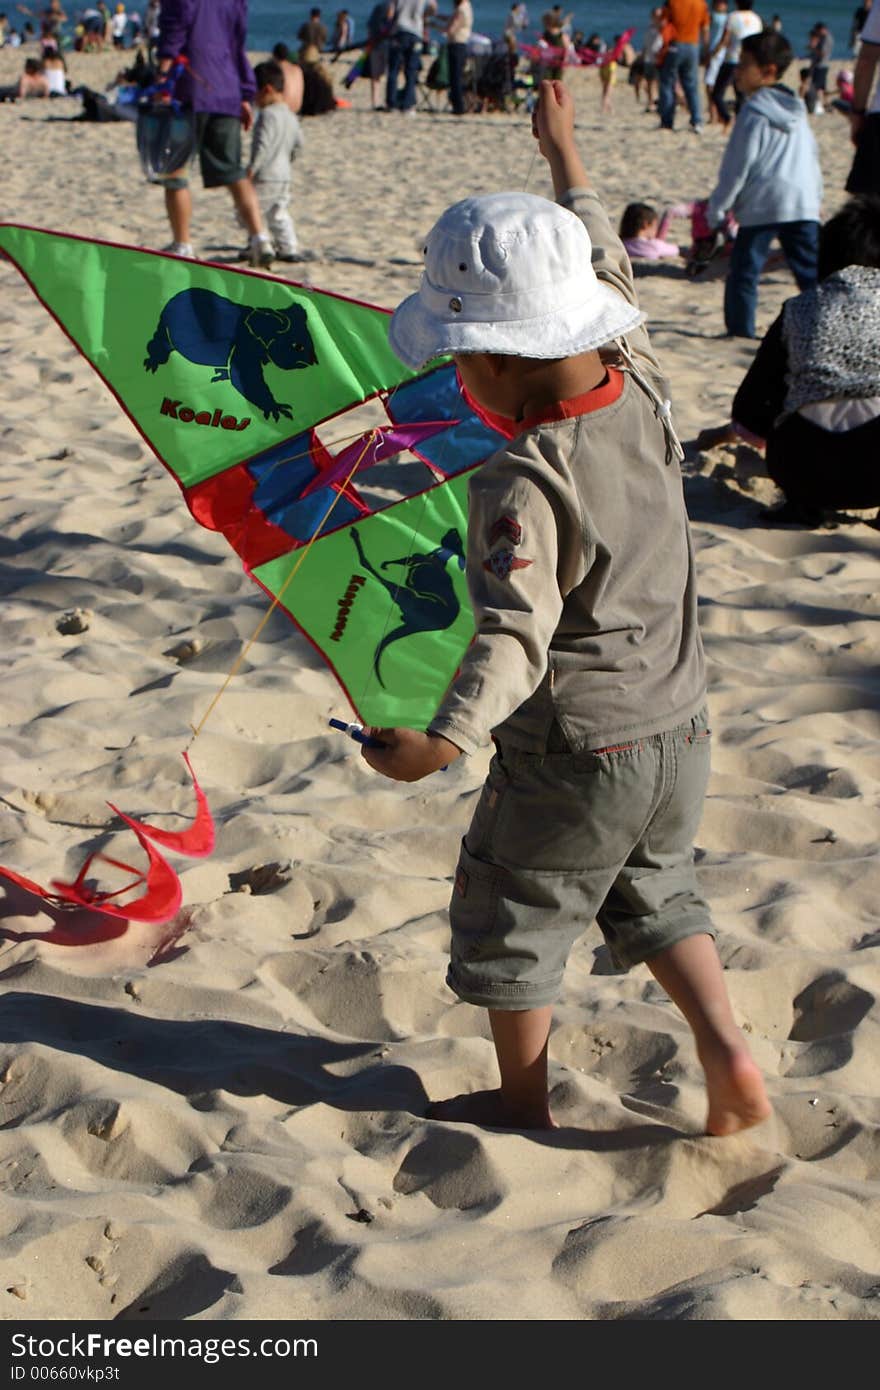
[{"x": 276, "y": 139}]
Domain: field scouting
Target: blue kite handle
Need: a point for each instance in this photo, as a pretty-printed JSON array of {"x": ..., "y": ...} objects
[
  {"x": 355, "y": 731},
  {"x": 367, "y": 739}
]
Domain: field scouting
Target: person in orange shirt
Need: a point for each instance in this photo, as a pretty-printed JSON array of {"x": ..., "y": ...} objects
[{"x": 688, "y": 22}]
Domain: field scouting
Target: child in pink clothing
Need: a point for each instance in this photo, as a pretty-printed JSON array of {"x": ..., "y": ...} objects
[{"x": 642, "y": 231}]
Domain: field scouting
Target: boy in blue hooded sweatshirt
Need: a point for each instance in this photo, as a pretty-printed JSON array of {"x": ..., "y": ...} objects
[{"x": 769, "y": 179}]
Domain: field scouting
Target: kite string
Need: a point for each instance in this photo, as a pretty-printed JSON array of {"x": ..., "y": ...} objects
[
  {"x": 412, "y": 540},
  {"x": 531, "y": 168},
  {"x": 359, "y": 701},
  {"x": 307, "y": 452},
  {"x": 236, "y": 666}
]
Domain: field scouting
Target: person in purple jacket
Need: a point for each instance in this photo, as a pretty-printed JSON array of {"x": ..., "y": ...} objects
[{"x": 218, "y": 87}]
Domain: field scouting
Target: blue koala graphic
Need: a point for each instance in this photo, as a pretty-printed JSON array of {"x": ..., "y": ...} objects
[{"x": 237, "y": 340}]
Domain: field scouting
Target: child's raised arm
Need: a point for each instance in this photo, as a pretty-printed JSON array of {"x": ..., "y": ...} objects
[{"x": 553, "y": 128}]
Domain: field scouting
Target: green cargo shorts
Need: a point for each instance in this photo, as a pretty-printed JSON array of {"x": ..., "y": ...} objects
[
  {"x": 558, "y": 839},
  {"x": 218, "y": 142}
]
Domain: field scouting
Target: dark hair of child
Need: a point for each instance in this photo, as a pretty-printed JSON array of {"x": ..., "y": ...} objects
[
  {"x": 851, "y": 236},
  {"x": 280, "y": 52},
  {"x": 636, "y": 217},
  {"x": 32, "y": 66},
  {"x": 769, "y": 49},
  {"x": 269, "y": 74}
]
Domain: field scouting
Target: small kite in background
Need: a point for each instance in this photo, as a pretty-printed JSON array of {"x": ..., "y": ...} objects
[{"x": 545, "y": 53}]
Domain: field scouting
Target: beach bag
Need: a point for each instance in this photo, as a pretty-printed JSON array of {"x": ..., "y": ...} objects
[
  {"x": 166, "y": 140},
  {"x": 438, "y": 73},
  {"x": 166, "y": 129}
]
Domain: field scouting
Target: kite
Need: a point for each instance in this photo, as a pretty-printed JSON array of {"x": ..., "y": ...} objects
[
  {"x": 361, "y": 66},
  {"x": 337, "y": 475},
  {"x": 543, "y": 52},
  {"x": 162, "y": 894}
]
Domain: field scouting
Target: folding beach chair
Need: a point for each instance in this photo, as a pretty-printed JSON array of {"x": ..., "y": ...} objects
[{"x": 432, "y": 90}]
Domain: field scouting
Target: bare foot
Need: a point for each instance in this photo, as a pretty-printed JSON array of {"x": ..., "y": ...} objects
[
  {"x": 735, "y": 1086},
  {"x": 489, "y": 1108}
]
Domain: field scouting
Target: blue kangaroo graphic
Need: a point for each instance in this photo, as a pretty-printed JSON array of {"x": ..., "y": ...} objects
[
  {"x": 426, "y": 598},
  {"x": 239, "y": 341}
]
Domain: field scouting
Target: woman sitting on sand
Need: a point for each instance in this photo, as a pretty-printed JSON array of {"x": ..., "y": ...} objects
[
  {"x": 32, "y": 83},
  {"x": 318, "y": 95},
  {"x": 55, "y": 70},
  {"x": 813, "y": 391}
]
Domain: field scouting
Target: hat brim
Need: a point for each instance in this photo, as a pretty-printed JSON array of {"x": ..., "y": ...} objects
[{"x": 417, "y": 335}]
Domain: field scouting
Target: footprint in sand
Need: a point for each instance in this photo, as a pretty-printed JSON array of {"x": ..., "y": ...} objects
[
  {"x": 261, "y": 879},
  {"x": 182, "y": 652},
  {"x": 74, "y": 621}
]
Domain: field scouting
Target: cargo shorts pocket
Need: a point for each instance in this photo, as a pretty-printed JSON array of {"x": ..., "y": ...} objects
[
  {"x": 474, "y": 906},
  {"x": 698, "y": 730},
  {"x": 481, "y": 831}
]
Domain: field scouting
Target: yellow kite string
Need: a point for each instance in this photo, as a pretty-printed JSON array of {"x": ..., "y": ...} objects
[
  {"x": 531, "y": 169},
  {"x": 197, "y": 728}
]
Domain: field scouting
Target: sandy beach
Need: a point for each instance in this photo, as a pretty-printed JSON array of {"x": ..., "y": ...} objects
[{"x": 224, "y": 1118}]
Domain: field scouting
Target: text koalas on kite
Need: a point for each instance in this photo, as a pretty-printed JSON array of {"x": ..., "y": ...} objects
[{"x": 189, "y": 416}]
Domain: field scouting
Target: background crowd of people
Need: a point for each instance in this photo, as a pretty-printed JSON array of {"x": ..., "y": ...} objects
[{"x": 768, "y": 188}]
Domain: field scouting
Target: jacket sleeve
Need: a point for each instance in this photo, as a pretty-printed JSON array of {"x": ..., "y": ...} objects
[
  {"x": 175, "y": 22},
  {"x": 245, "y": 72},
  {"x": 761, "y": 395},
  {"x": 260, "y": 151},
  {"x": 517, "y": 583},
  {"x": 736, "y": 166},
  {"x": 612, "y": 267}
]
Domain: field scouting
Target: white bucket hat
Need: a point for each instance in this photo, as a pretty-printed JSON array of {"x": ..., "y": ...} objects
[{"x": 509, "y": 273}]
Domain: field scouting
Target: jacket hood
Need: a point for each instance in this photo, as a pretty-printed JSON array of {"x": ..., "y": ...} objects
[{"x": 778, "y": 105}]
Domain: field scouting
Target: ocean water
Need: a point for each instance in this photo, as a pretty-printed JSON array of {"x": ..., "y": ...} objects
[{"x": 271, "y": 21}]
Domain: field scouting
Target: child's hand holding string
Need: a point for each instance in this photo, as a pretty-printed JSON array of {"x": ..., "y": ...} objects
[
  {"x": 553, "y": 128},
  {"x": 553, "y": 118}
]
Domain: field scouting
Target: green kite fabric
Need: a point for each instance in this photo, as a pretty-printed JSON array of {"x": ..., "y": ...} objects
[{"x": 286, "y": 420}]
